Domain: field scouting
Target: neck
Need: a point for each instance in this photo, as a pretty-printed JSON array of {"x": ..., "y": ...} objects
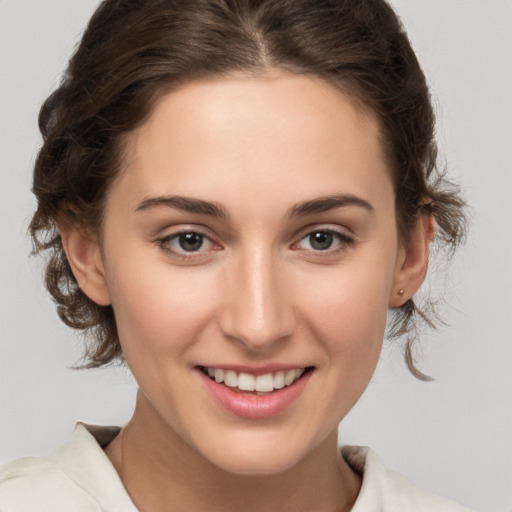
[{"x": 163, "y": 473}]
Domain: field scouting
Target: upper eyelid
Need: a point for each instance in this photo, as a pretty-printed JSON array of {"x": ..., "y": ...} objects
[
  {"x": 170, "y": 232},
  {"x": 221, "y": 234},
  {"x": 173, "y": 236},
  {"x": 341, "y": 235},
  {"x": 314, "y": 228}
]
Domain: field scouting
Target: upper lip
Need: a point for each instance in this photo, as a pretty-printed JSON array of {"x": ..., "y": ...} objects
[{"x": 256, "y": 369}]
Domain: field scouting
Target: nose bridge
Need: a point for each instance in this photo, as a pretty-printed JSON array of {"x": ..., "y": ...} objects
[{"x": 257, "y": 311}]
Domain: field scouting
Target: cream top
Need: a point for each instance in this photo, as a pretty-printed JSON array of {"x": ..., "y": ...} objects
[{"x": 81, "y": 478}]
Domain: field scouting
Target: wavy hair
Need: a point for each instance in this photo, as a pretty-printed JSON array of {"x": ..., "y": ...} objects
[{"x": 134, "y": 51}]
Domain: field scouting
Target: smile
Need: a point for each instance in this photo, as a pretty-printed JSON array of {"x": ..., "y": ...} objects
[
  {"x": 246, "y": 382},
  {"x": 247, "y": 395}
]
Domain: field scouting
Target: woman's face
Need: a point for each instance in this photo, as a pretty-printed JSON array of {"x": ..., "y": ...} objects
[{"x": 252, "y": 233}]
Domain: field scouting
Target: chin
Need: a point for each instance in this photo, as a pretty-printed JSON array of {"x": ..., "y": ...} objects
[
  {"x": 257, "y": 466},
  {"x": 257, "y": 457}
]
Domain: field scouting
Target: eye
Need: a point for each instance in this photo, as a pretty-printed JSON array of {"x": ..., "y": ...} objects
[
  {"x": 326, "y": 240},
  {"x": 190, "y": 242},
  {"x": 187, "y": 242}
]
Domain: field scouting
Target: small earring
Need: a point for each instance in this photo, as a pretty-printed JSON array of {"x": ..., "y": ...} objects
[{"x": 401, "y": 292}]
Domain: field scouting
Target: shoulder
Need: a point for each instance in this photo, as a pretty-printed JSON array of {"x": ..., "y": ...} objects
[
  {"x": 39, "y": 484},
  {"x": 78, "y": 478},
  {"x": 388, "y": 491}
]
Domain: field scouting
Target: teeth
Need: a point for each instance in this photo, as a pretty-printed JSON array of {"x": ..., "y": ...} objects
[
  {"x": 246, "y": 382},
  {"x": 279, "y": 380},
  {"x": 262, "y": 383},
  {"x": 230, "y": 379},
  {"x": 289, "y": 377}
]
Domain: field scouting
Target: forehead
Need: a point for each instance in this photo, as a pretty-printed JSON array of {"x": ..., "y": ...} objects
[{"x": 255, "y": 135}]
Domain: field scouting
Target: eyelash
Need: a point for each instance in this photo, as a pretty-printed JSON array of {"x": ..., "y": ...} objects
[
  {"x": 165, "y": 243},
  {"x": 343, "y": 242}
]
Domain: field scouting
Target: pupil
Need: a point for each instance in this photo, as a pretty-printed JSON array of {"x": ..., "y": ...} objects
[
  {"x": 321, "y": 240},
  {"x": 191, "y": 241}
]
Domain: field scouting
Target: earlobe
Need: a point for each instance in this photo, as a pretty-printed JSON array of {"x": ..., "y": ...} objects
[
  {"x": 412, "y": 262},
  {"x": 84, "y": 257}
]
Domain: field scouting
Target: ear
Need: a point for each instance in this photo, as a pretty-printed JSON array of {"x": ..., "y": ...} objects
[
  {"x": 84, "y": 257},
  {"x": 412, "y": 262}
]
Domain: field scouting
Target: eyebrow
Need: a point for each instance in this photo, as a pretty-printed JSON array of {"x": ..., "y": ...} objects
[
  {"x": 327, "y": 203},
  {"x": 186, "y": 204},
  {"x": 211, "y": 209}
]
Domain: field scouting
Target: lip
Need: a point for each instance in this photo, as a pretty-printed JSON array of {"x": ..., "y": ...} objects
[
  {"x": 256, "y": 370},
  {"x": 255, "y": 406}
]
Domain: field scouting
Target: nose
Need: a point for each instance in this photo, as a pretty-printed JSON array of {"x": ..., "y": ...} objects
[{"x": 256, "y": 308}]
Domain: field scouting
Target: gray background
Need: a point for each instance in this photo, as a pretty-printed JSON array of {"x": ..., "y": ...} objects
[{"x": 453, "y": 436}]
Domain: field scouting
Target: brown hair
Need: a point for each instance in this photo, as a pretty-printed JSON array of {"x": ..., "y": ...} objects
[{"x": 133, "y": 51}]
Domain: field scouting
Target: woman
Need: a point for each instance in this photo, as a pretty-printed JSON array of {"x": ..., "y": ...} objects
[{"x": 233, "y": 195}]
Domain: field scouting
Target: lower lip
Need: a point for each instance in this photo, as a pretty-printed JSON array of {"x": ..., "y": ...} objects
[{"x": 255, "y": 406}]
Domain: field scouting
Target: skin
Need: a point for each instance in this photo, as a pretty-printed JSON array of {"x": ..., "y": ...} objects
[{"x": 255, "y": 293}]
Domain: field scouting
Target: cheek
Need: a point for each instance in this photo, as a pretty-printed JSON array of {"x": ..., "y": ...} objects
[
  {"x": 356, "y": 293},
  {"x": 159, "y": 309},
  {"x": 347, "y": 311}
]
